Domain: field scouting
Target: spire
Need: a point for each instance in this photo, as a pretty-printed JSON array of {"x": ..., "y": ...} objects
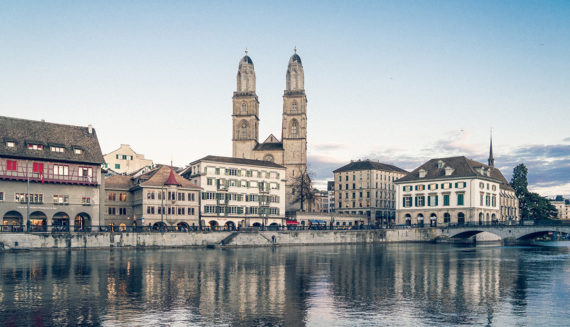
[
  {"x": 171, "y": 178},
  {"x": 491, "y": 159},
  {"x": 246, "y": 74}
]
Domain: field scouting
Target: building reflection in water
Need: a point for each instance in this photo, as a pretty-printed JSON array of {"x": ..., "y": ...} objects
[{"x": 398, "y": 284}]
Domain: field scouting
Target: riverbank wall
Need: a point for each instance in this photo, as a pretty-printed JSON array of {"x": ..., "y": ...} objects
[{"x": 31, "y": 241}]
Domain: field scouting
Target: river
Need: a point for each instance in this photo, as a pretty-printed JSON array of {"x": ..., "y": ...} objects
[{"x": 350, "y": 285}]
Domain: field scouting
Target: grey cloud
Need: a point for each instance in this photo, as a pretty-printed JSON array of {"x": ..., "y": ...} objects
[
  {"x": 328, "y": 146},
  {"x": 566, "y": 139}
]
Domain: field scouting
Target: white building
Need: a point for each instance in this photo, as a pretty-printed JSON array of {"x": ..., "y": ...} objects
[
  {"x": 445, "y": 191},
  {"x": 125, "y": 160},
  {"x": 239, "y": 192}
]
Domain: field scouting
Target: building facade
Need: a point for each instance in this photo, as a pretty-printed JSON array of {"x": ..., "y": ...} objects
[
  {"x": 157, "y": 198},
  {"x": 239, "y": 192},
  {"x": 320, "y": 202},
  {"x": 50, "y": 175},
  {"x": 453, "y": 190},
  {"x": 563, "y": 207},
  {"x": 367, "y": 188},
  {"x": 125, "y": 160},
  {"x": 331, "y": 196},
  {"x": 291, "y": 150}
]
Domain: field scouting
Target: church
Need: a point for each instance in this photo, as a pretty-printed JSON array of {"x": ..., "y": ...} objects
[{"x": 291, "y": 150}]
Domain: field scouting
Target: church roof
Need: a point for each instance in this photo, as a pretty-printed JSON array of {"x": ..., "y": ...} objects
[
  {"x": 268, "y": 146},
  {"x": 367, "y": 165},
  {"x": 295, "y": 58},
  {"x": 247, "y": 59}
]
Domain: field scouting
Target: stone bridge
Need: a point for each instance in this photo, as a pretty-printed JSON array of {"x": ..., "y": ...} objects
[{"x": 513, "y": 232}]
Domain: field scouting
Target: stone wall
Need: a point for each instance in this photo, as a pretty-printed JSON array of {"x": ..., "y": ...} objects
[{"x": 25, "y": 241}]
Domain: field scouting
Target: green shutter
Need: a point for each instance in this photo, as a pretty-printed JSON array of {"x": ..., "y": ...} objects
[
  {"x": 429, "y": 201},
  {"x": 436, "y": 197}
]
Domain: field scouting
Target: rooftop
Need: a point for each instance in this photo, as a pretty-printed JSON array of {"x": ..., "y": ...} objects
[{"x": 369, "y": 165}]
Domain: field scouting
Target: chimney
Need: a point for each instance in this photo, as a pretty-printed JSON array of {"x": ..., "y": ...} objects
[{"x": 90, "y": 128}]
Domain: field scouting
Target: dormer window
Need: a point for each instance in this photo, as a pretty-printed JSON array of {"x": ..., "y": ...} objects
[
  {"x": 10, "y": 144},
  {"x": 422, "y": 173},
  {"x": 77, "y": 151},
  {"x": 440, "y": 164},
  {"x": 57, "y": 149},
  {"x": 449, "y": 171},
  {"x": 35, "y": 147}
]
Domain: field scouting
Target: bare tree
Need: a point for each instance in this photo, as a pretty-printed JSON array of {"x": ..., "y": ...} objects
[{"x": 302, "y": 189}]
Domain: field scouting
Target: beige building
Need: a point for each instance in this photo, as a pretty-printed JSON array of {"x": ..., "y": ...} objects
[
  {"x": 452, "y": 190},
  {"x": 320, "y": 202},
  {"x": 125, "y": 160},
  {"x": 239, "y": 192},
  {"x": 291, "y": 150},
  {"x": 563, "y": 207},
  {"x": 159, "y": 197},
  {"x": 367, "y": 188}
]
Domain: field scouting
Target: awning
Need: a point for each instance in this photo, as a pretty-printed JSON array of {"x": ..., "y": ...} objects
[{"x": 292, "y": 222}]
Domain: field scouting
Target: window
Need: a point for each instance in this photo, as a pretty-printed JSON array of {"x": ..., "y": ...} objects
[
  {"x": 10, "y": 144},
  {"x": 446, "y": 199},
  {"x": 122, "y": 197},
  {"x": 181, "y": 196},
  {"x": 124, "y": 157},
  {"x": 268, "y": 158},
  {"x": 38, "y": 167},
  {"x": 150, "y": 195},
  {"x": 1, "y": 196},
  {"x": 150, "y": 210},
  {"x": 460, "y": 199},
  {"x": 60, "y": 170},
  {"x": 407, "y": 202},
  {"x": 446, "y": 186},
  {"x": 111, "y": 211},
  {"x": 112, "y": 196},
  {"x": 494, "y": 203},
  {"x": 34, "y": 198},
  {"x": 244, "y": 108},
  {"x": 460, "y": 185},
  {"x": 117, "y": 166},
  {"x": 37, "y": 147},
  {"x": 433, "y": 201},
  {"x": 57, "y": 149},
  {"x": 294, "y": 127},
  {"x": 86, "y": 201},
  {"x": 294, "y": 107},
  {"x": 407, "y": 188},
  {"x": 85, "y": 171},
  {"x": 420, "y": 201},
  {"x": 61, "y": 199},
  {"x": 11, "y": 165},
  {"x": 432, "y": 186},
  {"x": 420, "y": 187}
]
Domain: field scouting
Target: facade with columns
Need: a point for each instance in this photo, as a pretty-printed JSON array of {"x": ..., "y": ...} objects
[{"x": 289, "y": 151}]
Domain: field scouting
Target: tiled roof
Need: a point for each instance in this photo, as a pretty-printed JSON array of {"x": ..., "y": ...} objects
[
  {"x": 240, "y": 161},
  {"x": 462, "y": 168},
  {"x": 368, "y": 165},
  {"x": 160, "y": 175},
  {"x": 24, "y": 132},
  {"x": 119, "y": 182}
]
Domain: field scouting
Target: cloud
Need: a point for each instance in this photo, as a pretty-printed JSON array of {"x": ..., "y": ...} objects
[
  {"x": 566, "y": 139},
  {"x": 328, "y": 147}
]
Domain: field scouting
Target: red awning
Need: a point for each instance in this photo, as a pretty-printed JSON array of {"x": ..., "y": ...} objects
[{"x": 292, "y": 222}]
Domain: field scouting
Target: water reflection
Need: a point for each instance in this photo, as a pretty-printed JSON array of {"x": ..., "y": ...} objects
[{"x": 407, "y": 284}]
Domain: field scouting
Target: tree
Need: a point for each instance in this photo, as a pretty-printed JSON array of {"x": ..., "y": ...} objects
[
  {"x": 302, "y": 189},
  {"x": 532, "y": 205}
]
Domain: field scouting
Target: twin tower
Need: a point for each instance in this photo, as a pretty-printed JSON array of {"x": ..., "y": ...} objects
[{"x": 291, "y": 150}]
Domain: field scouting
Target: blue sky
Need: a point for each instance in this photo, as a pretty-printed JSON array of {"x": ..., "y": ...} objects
[{"x": 397, "y": 81}]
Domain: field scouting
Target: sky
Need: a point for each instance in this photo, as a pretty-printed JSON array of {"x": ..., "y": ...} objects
[{"x": 396, "y": 81}]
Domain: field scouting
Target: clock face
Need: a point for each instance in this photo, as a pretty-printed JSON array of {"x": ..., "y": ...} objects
[{"x": 268, "y": 158}]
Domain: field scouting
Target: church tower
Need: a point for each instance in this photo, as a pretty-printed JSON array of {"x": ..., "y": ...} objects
[
  {"x": 245, "y": 116},
  {"x": 294, "y": 126}
]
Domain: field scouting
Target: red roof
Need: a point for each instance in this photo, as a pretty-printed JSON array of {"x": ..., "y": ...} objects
[{"x": 171, "y": 179}]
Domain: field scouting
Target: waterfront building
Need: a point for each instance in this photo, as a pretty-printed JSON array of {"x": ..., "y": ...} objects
[
  {"x": 291, "y": 150},
  {"x": 158, "y": 197},
  {"x": 331, "y": 197},
  {"x": 453, "y": 190},
  {"x": 239, "y": 192},
  {"x": 125, "y": 160},
  {"x": 50, "y": 175},
  {"x": 563, "y": 207},
  {"x": 367, "y": 188}
]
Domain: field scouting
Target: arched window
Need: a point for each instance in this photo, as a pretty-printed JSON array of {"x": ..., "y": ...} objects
[
  {"x": 294, "y": 127},
  {"x": 244, "y": 108},
  {"x": 268, "y": 157},
  {"x": 294, "y": 106},
  {"x": 243, "y": 130}
]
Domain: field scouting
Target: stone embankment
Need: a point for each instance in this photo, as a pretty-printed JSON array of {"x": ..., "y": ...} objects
[{"x": 29, "y": 241}]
